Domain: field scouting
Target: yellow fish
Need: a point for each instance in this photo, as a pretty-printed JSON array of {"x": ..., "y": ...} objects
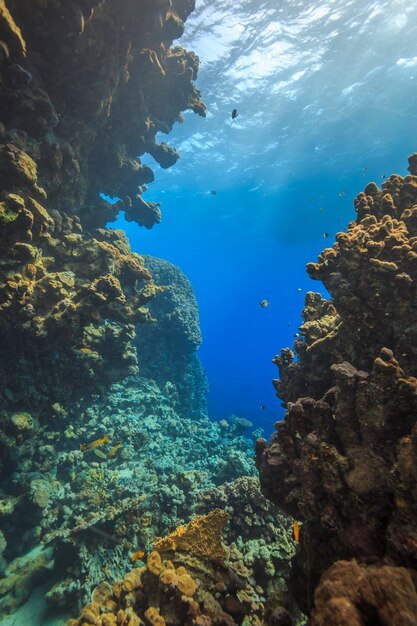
[
  {"x": 264, "y": 303},
  {"x": 97, "y": 443},
  {"x": 115, "y": 448},
  {"x": 137, "y": 555},
  {"x": 296, "y": 530}
]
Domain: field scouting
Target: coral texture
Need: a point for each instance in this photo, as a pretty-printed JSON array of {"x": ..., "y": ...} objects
[
  {"x": 98, "y": 505},
  {"x": 344, "y": 460},
  {"x": 183, "y": 587},
  {"x": 85, "y": 86},
  {"x": 348, "y": 592}
]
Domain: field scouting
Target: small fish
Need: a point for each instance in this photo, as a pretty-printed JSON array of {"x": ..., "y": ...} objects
[
  {"x": 383, "y": 176},
  {"x": 97, "y": 443},
  {"x": 234, "y": 114},
  {"x": 264, "y": 303},
  {"x": 342, "y": 194},
  {"x": 100, "y": 454},
  {"x": 296, "y": 531},
  {"x": 115, "y": 448},
  {"x": 262, "y": 407},
  {"x": 325, "y": 235},
  {"x": 299, "y": 289},
  {"x": 213, "y": 192},
  {"x": 139, "y": 554}
]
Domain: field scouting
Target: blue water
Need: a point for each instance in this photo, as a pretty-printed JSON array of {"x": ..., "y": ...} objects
[{"x": 325, "y": 93}]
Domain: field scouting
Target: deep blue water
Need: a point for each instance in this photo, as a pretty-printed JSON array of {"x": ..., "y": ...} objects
[{"x": 325, "y": 94}]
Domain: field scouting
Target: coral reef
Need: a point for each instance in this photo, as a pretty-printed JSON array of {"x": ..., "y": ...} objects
[
  {"x": 85, "y": 87},
  {"x": 167, "y": 347},
  {"x": 183, "y": 584},
  {"x": 96, "y": 506},
  {"x": 263, "y": 536},
  {"x": 348, "y": 591},
  {"x": 344, "y": 460}
]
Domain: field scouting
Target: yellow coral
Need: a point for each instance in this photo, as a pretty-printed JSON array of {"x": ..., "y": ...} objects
[
  {"x": 153, "y": 616},
  {"x": 186, "y": 585},
  {"x": 154, "y": 563},
  {"x": 202, "y": 536},
  {"x": 90, "y": 613},
  {"x": 132, "y": 579},
  {"x": 178, "y": 578}
]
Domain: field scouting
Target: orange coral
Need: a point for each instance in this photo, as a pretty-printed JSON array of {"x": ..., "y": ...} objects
[{"x": 202, "y": 536}]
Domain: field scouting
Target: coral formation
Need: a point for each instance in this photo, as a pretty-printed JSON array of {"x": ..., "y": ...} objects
[
  {"x": 84, "y": 88},
  {"x": 201, "y": 537},
  {"x": 347, "y": 591},
  {"x": 80, "y": 80},
  {"x": 119, "y": 504},
  {"x": 167, "y": 347},
  {"x": 182, "y": 586},
  {"x": 344, "y": 459}
]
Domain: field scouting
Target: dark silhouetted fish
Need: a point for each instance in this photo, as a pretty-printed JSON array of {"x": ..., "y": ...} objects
[{"x": 234, "y": 114}]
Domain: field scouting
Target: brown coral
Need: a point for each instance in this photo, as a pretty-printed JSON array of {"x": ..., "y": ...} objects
[
  {"x": 343, "y": 460},
  {"x": 347, "y": 592},
  {"x": 65, "y": 280}
]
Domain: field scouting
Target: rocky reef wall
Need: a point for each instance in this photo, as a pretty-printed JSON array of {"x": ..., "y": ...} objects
[
  {"x": 167, "y": 348},
  {"x": 104, "y": 437},
  {"x": 85, "y": 86},
  {"x": 344, "y": 460}
]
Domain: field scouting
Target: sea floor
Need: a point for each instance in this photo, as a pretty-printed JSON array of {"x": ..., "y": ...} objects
[{"x": 37, "y": 612}]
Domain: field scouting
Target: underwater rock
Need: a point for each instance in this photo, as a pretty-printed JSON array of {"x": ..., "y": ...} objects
[
  {"x": 343, "y": 461},
  {"x": 167, "y": 347},
  {"x": 349, "y": 591},
  {"x": 84, "y": 89},
  {"x": 23, "y": 575}
]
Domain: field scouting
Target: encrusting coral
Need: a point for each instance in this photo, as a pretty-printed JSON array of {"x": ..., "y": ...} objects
[
  {"x": 202, "y": 536},
  {"x": 344, "y": 460}
]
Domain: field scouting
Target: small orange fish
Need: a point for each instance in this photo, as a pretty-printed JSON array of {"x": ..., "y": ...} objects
[
  {"x": 97, "y": 443},
  {"x": 137, "y": 555},
  {"x": 296, "y": 530},
  {"x": 115, "y": 448}
]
